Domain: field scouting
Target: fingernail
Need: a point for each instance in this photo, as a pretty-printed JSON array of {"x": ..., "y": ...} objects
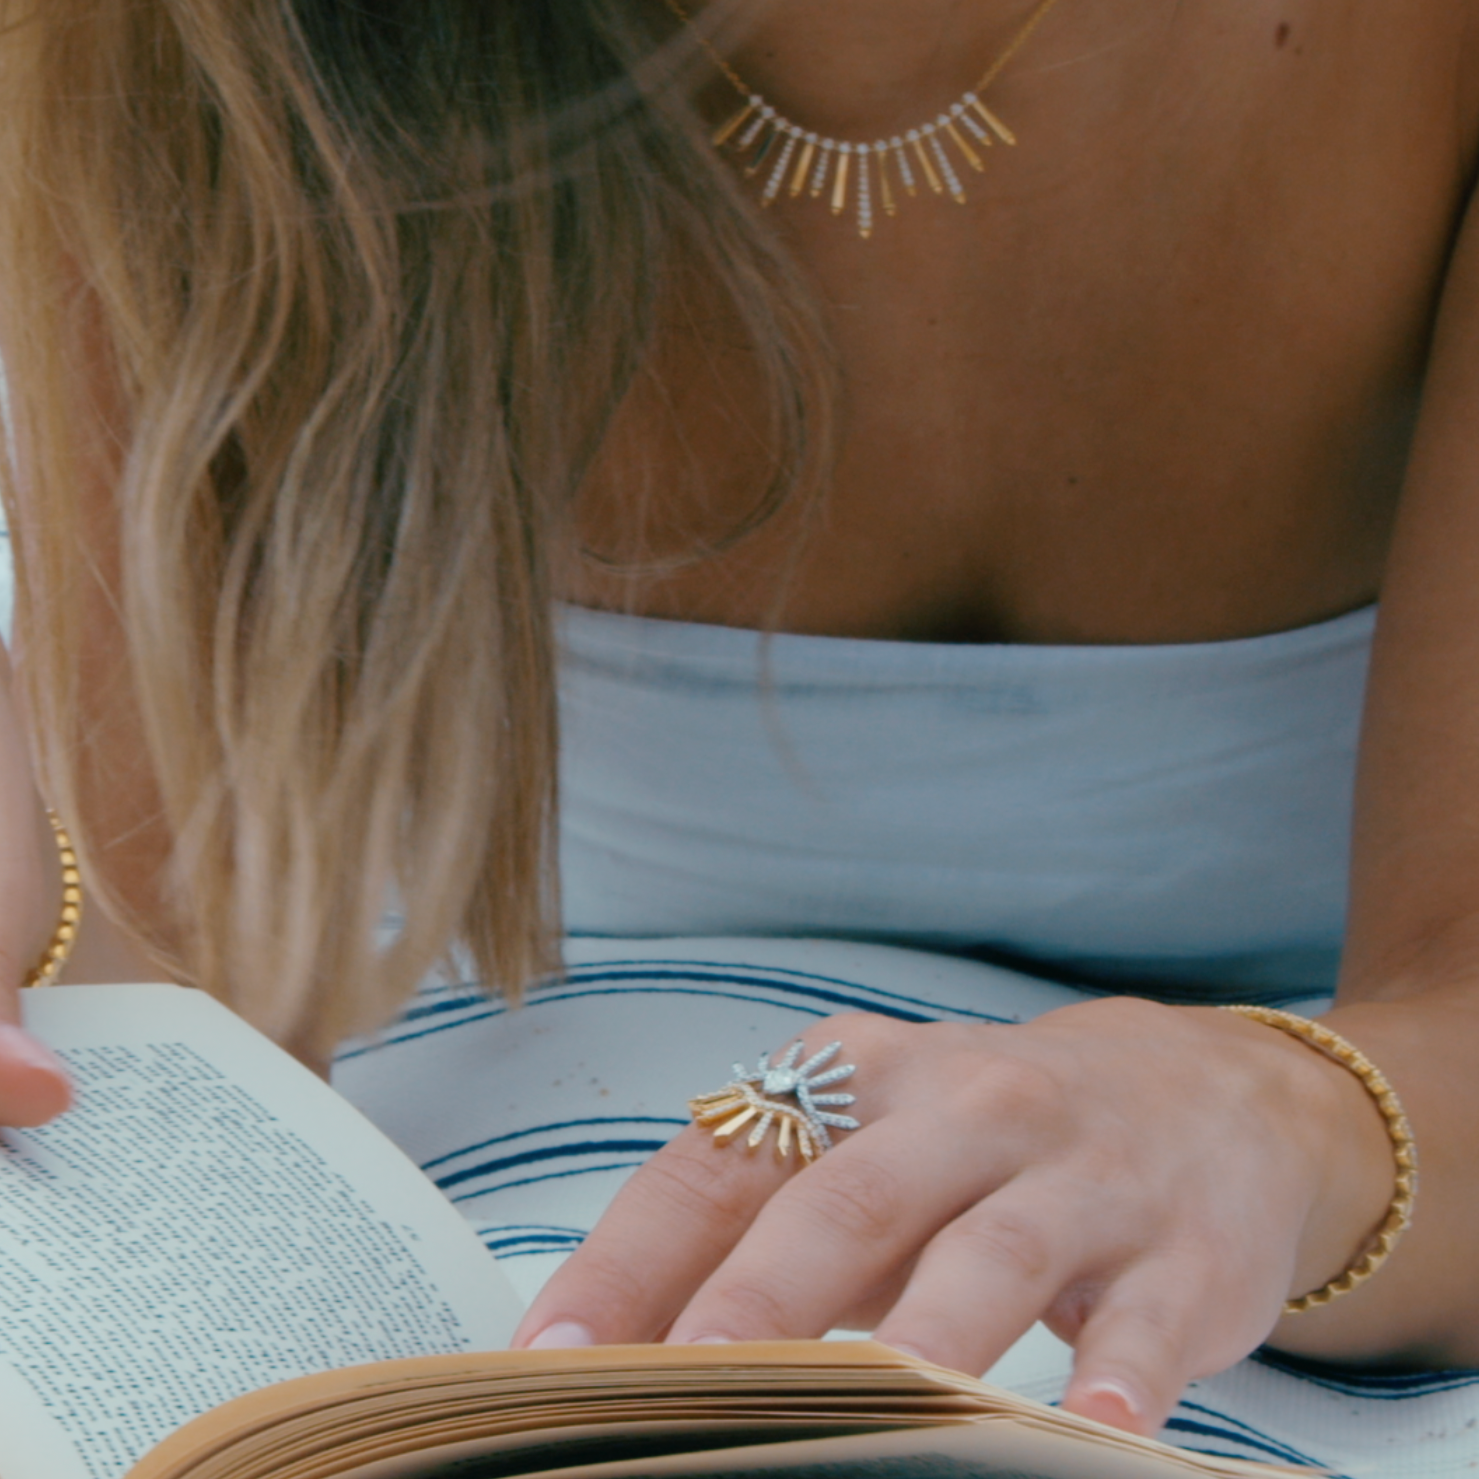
[
  {"x": 913, "y": 1352},
  {"x": 1115, "y": 1399},
  {"x": 564, "y": 1335},
  {"x": 18, "y": 1047},
  {"x": 709, "y": 1340}
]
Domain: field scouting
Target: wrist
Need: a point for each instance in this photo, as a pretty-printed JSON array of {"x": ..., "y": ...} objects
[
  {"x": 63, "y": 937},
  {"x": 1363, "y": 1170},
  {"x": 1349, "y": 1171}
]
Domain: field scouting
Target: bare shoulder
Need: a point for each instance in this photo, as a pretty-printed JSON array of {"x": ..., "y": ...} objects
[{"x": 1460, "y": 20}]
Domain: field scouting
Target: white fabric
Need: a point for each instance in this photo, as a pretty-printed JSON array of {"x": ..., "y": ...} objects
[
  {"x": 1172, "y": 818},
  {"x": 531, "y": 1120}
]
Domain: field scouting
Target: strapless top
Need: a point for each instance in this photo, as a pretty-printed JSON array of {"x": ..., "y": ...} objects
[{"x": 1169, "y": 819}]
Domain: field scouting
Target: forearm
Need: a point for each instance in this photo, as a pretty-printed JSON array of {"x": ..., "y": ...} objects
[{"x": 1409, "y": 995}]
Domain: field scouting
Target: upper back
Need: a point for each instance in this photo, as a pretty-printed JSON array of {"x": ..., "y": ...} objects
[{"x": 1153, "y": 382}]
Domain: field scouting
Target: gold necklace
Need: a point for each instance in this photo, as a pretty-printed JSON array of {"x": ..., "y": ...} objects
[{"x": 798, "y": 159}]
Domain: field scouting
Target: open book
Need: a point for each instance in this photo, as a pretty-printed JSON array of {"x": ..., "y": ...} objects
[{"x": 214, "y": 1268}]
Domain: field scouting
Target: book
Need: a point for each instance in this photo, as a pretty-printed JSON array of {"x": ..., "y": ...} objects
[{"x": 213, "y": 1267}]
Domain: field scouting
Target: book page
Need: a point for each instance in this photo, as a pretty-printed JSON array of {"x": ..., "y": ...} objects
[{"x": 209, "y": 1219}]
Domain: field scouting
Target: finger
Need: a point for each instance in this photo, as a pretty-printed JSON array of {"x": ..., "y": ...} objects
[
  {"x": 1141, "y": 1345},
  {"x": 34, "y": 1087},
  {"x": 985, "y": 1280},
  {"x": 831, "y": 1236},
  {"x": 668, "y": 1228}
]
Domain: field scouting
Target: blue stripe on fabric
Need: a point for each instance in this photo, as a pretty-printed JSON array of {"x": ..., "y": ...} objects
[
  {"x": 722, "y": 971},
  {"x": 513, "y": 1233},
  {"x": 852, "y": 998},
  {"x": 1228, "y": 1430},
  {"x": 531, "y": 1227},
  {"x": 514, "y": 1247},
  {"x": 549, "y": 1129},
  {"x": 777, "y": 977},
  {"x": 1322, "y": 1470},
  {"x": 831, "y": 999},
  {"x": 1375, "y": 1387},
  {"x": 488, "y": 1191},
  {"x": 441, "y": 1008},
  {"x": 550, "y": 1153},
  {"x": 1245, "y": 1448},
  {"x": 563, "y": 1239},
  {"x": 405, "y": 1037}
]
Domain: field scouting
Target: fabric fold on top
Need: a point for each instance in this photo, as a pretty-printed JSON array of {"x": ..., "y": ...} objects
[{"x": 1171, "y": 819}]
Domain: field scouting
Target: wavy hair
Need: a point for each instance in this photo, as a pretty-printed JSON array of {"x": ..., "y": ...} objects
[{"x": 315, "y": 314}]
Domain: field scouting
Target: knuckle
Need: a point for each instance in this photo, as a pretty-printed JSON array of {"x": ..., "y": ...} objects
[
  {"x": 693, "y": 1184},
  {"x": 1128, "y": 1014},
  {"x": 613, "y": 1284},
  {"x": 862, "y": 1034},
  {"x": 1106, "y": 1173},
  {"x": 858, "y": 1197},
  {"x": 750, "y": 1308},
  {"x": 1013, "y": 1241},
  {"x": 1195, "y": 1254},
  {"x": 1013, "y": 1090},
  {"x": 1156, "y": 1330}
]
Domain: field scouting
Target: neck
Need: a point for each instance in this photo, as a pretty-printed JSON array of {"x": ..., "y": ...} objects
[{"x": 869, "y": 67}]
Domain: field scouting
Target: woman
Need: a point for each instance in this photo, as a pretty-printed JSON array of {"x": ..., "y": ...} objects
[{"x": 344, "y": 338}]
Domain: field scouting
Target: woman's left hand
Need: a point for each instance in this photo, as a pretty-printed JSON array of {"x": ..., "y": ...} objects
[{"x": 1151, "y": 1181}]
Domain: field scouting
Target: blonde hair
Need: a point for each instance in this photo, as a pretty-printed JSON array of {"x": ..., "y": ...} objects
[{"x": 316, "y": 314}]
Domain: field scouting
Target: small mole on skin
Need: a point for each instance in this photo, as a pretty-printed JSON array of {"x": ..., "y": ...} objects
[{"x": 1281, "y": 36}]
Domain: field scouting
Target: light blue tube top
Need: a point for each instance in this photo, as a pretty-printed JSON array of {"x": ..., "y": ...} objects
[{"x": 1168, "y": 819}]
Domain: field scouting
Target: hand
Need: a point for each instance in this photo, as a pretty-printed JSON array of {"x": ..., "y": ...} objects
[{"x": 1152, "y": 1182}]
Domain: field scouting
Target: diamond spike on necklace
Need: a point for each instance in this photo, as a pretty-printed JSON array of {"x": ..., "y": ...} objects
[{"x": 867, "y": 176}]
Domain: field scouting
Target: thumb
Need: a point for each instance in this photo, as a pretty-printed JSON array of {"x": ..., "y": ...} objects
[{"x": 34, "y": 1087}]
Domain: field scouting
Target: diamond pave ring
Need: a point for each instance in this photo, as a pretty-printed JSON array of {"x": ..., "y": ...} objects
[{"x": 760, "y": 1097}]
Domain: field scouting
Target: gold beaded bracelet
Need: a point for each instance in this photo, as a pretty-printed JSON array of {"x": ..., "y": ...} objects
[
  {"x": 1404, "y": 1149},
  {"x": 54, "y": 957}
]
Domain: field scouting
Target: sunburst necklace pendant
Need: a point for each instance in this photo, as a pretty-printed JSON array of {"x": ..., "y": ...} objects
[
  {"x": 860, "y": 176},
  {"x": 796, "y": 160}
]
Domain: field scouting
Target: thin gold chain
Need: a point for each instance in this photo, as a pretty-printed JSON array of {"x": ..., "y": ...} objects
[
  {"x": 997, "y": 67},
  {"x": 867, "y": 174},
  {"x": 1015, "y": 45}
]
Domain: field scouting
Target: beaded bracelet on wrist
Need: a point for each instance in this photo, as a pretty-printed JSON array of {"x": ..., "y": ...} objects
[
  {"x": 1404, "y": 1149},
  {"x": 54, "y": 957}
]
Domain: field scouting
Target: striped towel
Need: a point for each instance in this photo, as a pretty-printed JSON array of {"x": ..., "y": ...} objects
[{"x": 530, "y": 1120}]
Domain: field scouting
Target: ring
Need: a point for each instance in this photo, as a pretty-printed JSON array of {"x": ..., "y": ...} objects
[{"x": 759, "y": 1095}]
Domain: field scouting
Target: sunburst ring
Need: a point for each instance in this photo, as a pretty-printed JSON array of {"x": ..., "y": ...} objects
[{"x": 784, "y": 1096}]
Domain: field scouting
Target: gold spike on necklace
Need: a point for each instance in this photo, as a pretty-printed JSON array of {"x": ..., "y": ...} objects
[{"x": 794, "y": 159}]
